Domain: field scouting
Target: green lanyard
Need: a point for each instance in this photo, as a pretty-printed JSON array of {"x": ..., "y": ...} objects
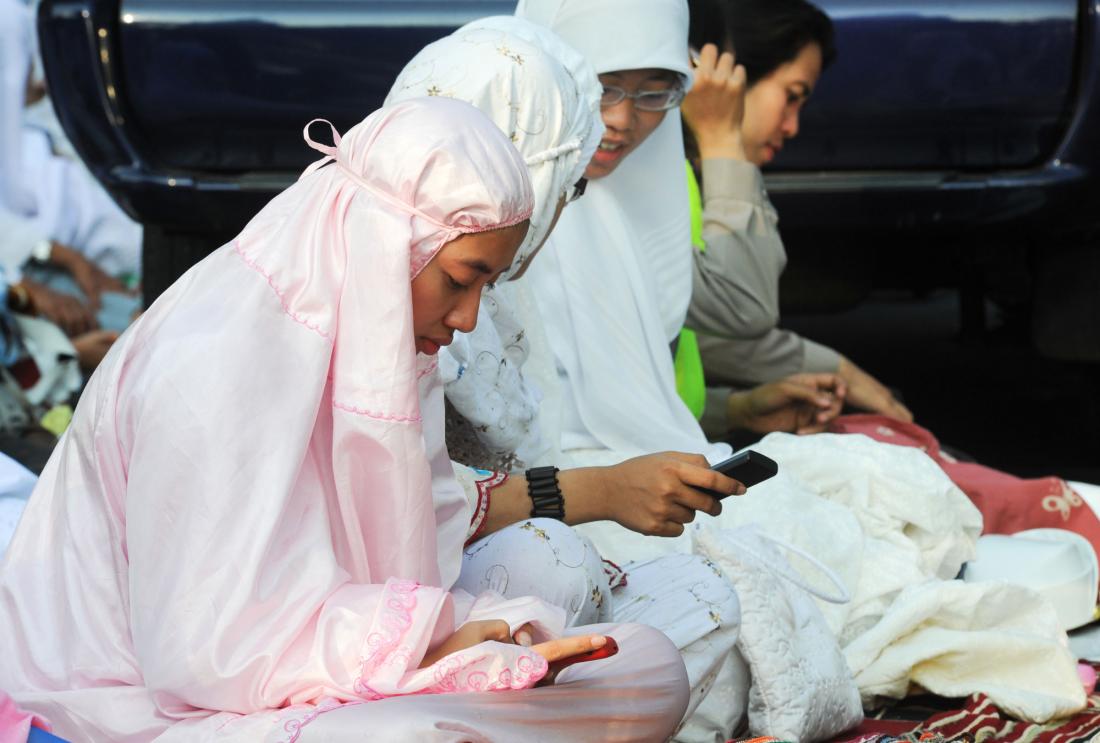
[{"x": 690, "y": 381}]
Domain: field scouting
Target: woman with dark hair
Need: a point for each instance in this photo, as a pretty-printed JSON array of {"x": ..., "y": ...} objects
[{"x": 738, "y": 115}]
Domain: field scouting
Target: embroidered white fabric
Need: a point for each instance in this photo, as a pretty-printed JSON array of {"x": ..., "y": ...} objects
[
  {"x": 545, "y": 97},
  {"x": 684, "y": 596},
  {"x": 801, "y": 687}
]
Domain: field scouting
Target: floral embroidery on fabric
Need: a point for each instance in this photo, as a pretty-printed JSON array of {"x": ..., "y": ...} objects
[
  {"x": 514, "y": 56},
  {"x": 1063, "y": 502},
  {"x": 539, "y": 533},
  {"x": 616, "y": 576},
  {"x": 382, "y": 645},
  {"x": 293, "y": 726},
  {"x": 450, "y": 678},
  {"x": 481, "y": 510},
  {"x": 597, "y": 597}
]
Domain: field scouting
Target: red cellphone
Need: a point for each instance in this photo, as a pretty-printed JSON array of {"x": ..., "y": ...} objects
[{"x": 609, "y": 649}]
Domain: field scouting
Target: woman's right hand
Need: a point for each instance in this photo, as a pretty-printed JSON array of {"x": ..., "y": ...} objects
[
  {"x": 496, "y": 630},
  {"x": 715, "y": 105},
  {"x": 656, "y": 494},
  {"x": 468, "y": 635}
]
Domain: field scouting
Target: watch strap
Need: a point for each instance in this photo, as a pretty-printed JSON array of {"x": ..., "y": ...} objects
[{"x": 546, "y": 497}]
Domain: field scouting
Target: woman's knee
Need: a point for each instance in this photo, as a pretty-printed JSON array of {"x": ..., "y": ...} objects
[
  {"x": 543, "y": 558},
  {"x": 644, "y": 652}
]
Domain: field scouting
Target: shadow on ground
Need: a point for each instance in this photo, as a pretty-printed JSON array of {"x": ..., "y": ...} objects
[{"x": 993, "y": 397}]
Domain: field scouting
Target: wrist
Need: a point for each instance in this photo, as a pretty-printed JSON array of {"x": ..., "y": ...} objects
[
  {"x": 724, "y": 146},
  {"x": 585, "y": 492},
  {"x": 62, "y": 256},
  {"x": 736, "y": 410}
]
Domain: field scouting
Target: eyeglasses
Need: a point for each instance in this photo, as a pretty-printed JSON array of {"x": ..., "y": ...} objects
[
  {"x": 646, "y": 100},
  {"x": 577, "y": 191}
]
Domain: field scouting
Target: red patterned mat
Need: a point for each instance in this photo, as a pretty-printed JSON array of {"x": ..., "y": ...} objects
[{"x": 979, "y": 721}]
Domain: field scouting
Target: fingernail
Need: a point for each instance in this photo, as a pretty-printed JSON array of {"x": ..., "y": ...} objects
[
  {"x": 599, "y": 641},
  {"x": 524, "y": 639}
]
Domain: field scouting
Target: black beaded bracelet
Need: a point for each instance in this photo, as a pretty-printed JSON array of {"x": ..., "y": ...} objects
[{"x": 546, "y": 499}]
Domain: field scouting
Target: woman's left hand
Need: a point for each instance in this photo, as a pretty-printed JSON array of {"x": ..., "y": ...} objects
[
  {"x": 801, "y": 403},
  {"x": 715, "y": 105}
]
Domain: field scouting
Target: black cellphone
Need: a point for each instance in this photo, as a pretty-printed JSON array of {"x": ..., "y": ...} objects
[{"x": 748, "y": 468}]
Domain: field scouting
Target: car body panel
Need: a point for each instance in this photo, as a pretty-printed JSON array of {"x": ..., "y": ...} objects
[{"x": 936, "y": 113}]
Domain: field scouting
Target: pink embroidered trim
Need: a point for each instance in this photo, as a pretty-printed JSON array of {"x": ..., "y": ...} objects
[
  {"x": 294, "y": 725},
  {"x": 378, "y": 415},
  {"x": 278, "y": 293},
  {"x": 419, "y": 261},
  {"x": 394, "y": 417},
  {"x": 481, "y": 511},
  {"x": 449, "y": 678},
  {"x": 398, "y": 602}
]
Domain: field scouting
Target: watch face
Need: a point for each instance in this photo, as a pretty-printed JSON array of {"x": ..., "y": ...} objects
[{"x": 42, "y": 251}]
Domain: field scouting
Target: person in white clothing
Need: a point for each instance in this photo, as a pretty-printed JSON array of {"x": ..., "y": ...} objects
[
  {"x": 53, "y": 214},
  {"x": 545, "y": 96}
]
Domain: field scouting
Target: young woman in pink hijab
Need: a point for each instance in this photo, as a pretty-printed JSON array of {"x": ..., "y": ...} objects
[{"x": 251, "y": 530}]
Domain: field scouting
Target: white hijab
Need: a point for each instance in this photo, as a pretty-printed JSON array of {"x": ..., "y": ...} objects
[
  {"x": 545, "y": 97},
  {"x": 615, "y": 283}
]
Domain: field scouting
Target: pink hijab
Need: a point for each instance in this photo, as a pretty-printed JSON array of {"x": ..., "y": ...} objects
[
  {"x": 340, "y": 250},
  {"x": 241, "y": 516}
]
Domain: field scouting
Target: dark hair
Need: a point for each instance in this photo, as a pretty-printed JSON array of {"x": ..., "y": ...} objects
[{"x": 764, "y": 34}]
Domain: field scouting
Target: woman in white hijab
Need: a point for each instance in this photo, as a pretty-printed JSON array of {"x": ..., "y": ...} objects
[
  {"x": 545, "y": 96},
  {"x": 613, "y": 290}
]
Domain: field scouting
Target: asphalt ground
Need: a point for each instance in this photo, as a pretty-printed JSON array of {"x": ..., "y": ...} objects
[{"x": 991, "y": 396}]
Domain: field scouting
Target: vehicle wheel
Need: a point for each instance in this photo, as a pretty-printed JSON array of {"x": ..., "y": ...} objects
[
  {"x": 167, "y": 254},
  {"x": 1067, "y": 305}
]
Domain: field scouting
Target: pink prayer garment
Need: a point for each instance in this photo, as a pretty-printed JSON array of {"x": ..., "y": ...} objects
[
  {"x": 15, "y": 724},
  {"x": 237, "y": 538}
]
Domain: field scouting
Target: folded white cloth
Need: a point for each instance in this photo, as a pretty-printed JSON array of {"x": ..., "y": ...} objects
[{"x": 890, "y": 523}]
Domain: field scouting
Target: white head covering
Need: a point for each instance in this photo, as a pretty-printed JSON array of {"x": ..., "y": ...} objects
[
  {"x": 615, "y": 284},
  {"x": 545, "y": 97}
]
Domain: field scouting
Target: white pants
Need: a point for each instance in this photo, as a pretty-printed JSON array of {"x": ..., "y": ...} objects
[{"x": 684, "y": 596}]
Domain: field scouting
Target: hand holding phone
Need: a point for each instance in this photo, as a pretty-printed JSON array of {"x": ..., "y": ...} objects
[
  {"x": 747, "y": 467},
  {"x": 568, "y": 651}
]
